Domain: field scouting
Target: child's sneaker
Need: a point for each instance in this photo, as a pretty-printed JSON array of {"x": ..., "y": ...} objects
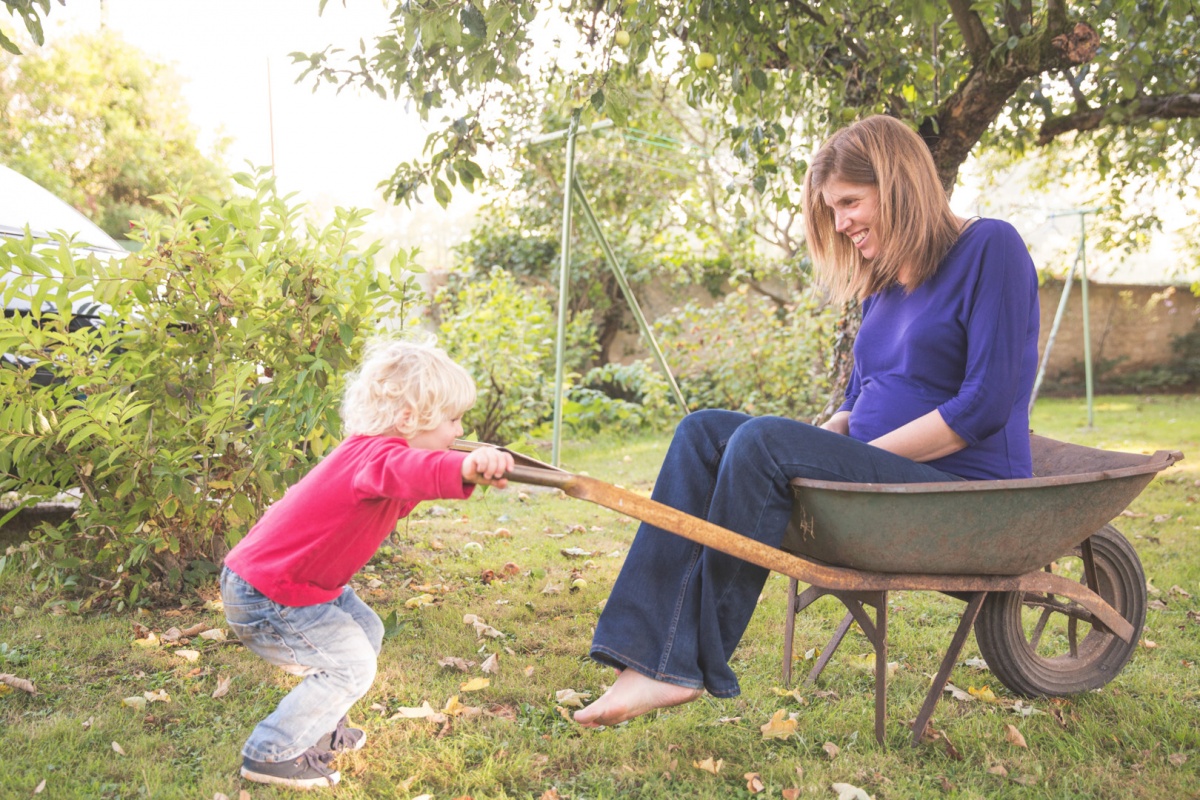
[
  {"x": 309, "y": 770},
  {"x": 343, "y": 738}
]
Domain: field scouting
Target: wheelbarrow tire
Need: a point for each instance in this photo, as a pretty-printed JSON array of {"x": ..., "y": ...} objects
[{"x": 1099, "y": 655}]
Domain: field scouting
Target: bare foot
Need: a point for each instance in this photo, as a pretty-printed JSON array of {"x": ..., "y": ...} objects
[{"x": 632, "y": 695}]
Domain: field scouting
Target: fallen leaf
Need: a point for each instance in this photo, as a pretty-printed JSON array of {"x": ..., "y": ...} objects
[
  {"x": 708, "y": 765},
  {"x": 848, "y": 791},
  {"x": 41, "y": 787},
  {"x": 1157, "y": 605},
  {"x": 726, "y": 721},
  {"x": 475, "y": 684},
  {"x": 562, "y": 712},
  {"x": 1179, "y": 590},
  {"x": 188, "y": 655},
  {"x": 491, "y": 664},
  {"x": 172, "y": 635},
  {"x": 831, "y": 750},
  {"x": 985, "y": 694},
  {"x": 1014, "y": 736},
  {"x": 1161, "y": 517},
  {"x": 17, "y": 683},
  {"x": 998, "y": 769},
  {"x": 1152, "y": 589},
  {"x": 117, "y": 749},
  {"x": 791, "y": 793},
  {"x": 136, "y": 703},
  {"x": 549, "y": 794},
  {"x": 958, "y": 694},
  {"x": 1178, "y": 759},
  {"x": 1148, "y": 644},
  {"x": 576, "y": 552},
  {"x": 792, "y": 693},
  {"x": 419, "y": 601},
  {"x": 87, "y": 723},
  {"x": 223, "y": 682},
  {"x": 570, "y": 697},
  {"x": 866, "y": 663},
  {"x": 976, "y": 663},
  {"x": 551, "y": 588},
  {"x": 778, "y": 727},
  {"x": 425, "y": 710},
  {"x": 754, "y": 783},
  {"x": 213, "y": 634},
  {"x": 1133, "y": 514},
  {"x": 159, "y": 696},
  {"x": 529, "y": 671},
  {"x": 452, "y": 662},
  {"x": 148, "y": 641}
]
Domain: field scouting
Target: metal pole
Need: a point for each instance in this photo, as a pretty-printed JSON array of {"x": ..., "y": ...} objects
[
  {"x": 564, "y": 283},
  {"x": 619, "y": 273},
  {"x": 1087, "y": 328},
  {"x": 1058, "y": 317}
]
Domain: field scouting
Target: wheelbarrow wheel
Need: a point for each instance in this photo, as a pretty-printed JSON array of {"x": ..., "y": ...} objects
[{"x": 1039, "y": 645}]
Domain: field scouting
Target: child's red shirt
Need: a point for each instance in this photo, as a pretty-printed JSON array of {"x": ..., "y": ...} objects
[{"x": 324, "y": 529}]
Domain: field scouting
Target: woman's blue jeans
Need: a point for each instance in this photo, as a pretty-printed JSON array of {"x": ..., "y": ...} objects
[
  {"x": 334, "y": 645},
  {"x": 678, "y": 609}
]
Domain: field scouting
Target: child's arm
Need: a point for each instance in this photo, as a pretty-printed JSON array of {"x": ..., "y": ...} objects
[{"x": 487, "y": 466}]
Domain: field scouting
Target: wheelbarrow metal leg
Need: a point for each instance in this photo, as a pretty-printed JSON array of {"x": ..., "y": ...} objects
[
  {"x": 789, "y": 631},
  {"x": 943, "y": 674},
  {"x": 881, "y": 626},
  {"x": 830, "y": 648}
]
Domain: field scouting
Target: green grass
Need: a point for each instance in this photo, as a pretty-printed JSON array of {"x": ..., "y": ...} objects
[{"x": 1116, "y": 742}]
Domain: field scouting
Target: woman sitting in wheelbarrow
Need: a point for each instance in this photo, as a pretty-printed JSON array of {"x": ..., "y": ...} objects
[{"x": 944, "y": 366}]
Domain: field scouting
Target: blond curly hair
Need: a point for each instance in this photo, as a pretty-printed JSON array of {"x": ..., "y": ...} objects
[{"x": 403, "y": 388}]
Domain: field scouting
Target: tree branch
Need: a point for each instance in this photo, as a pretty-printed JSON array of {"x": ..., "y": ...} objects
[
  {"x": 1173, "y": 106},
  {"x": 974, "y": 34}
]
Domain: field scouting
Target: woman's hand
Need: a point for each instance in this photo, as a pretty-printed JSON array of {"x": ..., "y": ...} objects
[
  {"x": 838, "y": 423},
  {"x": 487, "y": 466},
  {"x": 923, "y": 439}
]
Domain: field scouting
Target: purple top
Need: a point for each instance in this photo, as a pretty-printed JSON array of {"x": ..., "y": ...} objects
[{"x": 965, "y": 342}]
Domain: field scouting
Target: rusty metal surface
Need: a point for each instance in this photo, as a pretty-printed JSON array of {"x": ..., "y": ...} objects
[{"x": 1003, "y": 527}]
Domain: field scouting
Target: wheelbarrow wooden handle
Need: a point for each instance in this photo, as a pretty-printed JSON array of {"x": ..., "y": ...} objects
[{"x": 815, "y": 573}]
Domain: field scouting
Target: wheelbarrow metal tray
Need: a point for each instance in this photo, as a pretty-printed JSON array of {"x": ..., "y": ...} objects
[{"x": 1001, "y": 527}]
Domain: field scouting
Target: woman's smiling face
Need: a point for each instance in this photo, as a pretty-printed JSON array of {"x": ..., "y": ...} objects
[{"x": 855, "y": 207}]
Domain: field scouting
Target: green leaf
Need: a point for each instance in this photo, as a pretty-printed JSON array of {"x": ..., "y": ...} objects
[{"x": 473, "y": 21}]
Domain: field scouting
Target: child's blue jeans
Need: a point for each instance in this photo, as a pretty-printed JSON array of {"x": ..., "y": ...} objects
[
  {"x": 678, "y": 609},
  {"x": 334, "y": 645}
]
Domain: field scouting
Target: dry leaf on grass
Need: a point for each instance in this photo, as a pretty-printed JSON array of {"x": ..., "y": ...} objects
[
  {"x": 136, "y": 703},
  {"x": 474, "y": 685},
  {"x": 998, "y": 769},
  {"x": 779, "y": 727},
  {"x": 866, "y": 663},
  {"x": 41, "y": 787},
  {"x": 1178, "y": 590},
  {"x": 419, "y": 601},
  {"x": 848, "y": 791},
  {"x": 754, "y": 783},
  {"x": 7, "y": 679},
  {"x": 191, "y": 656},
  {"x": 958, "y": 694},
  {"x": 576, "y": 552},
  {"x": 792, "y": 693},
  {"x": 159, "y": 696},
  {"x": 708, "y": 765},
  {"x": 116, "y": 748},
  {"x": 223, "y": 682},
  {"x": 1014, "y": 736},
  {"x": 1178, "y": 759},
  {"x": 1148, "y": 644},
  {"x": 791, "y": 793},
  {"x": 831, "y": 750},
  {"x": 150, "y": 640},
  {"x": 550, "y": 794},
  {"x": 562, "y": 712},
  {"x": 453, "y": 662},
  {"x": 529, "y": 671},
  {"x": 491, "y": 664},
  {"x": 570, "y": 697},
  {"x": 552, "y": 588},
  {"x": 213, "y": 634},
  {"x": 985, "y": 694}
]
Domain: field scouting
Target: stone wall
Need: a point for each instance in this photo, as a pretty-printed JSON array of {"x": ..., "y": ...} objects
[{"x": 1132, "y": 326}]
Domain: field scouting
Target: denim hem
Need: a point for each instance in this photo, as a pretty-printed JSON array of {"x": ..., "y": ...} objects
[{"x": 612, "y": 658}]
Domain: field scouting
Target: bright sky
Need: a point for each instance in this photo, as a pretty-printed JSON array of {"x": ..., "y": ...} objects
[
  {"x": 331, "y": 149},
  {"x": 324, "y": 144}
]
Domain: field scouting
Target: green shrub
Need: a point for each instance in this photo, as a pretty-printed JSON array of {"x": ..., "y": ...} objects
[
  {"x": 746, "y": 353},
  {"x": 213, "y": 386},
  {"x": 504, "y": 334},
  {"x": 624, "y": 397}
]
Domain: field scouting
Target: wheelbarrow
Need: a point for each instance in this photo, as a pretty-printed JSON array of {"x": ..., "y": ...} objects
[{"x": 1056, "y": 595}]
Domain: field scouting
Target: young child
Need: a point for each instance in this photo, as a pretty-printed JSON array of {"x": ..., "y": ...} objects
[{"x": 285, "y": 584}]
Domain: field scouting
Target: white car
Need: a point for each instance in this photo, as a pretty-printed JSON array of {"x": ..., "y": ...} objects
[{"x": 26, "y": 205}]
